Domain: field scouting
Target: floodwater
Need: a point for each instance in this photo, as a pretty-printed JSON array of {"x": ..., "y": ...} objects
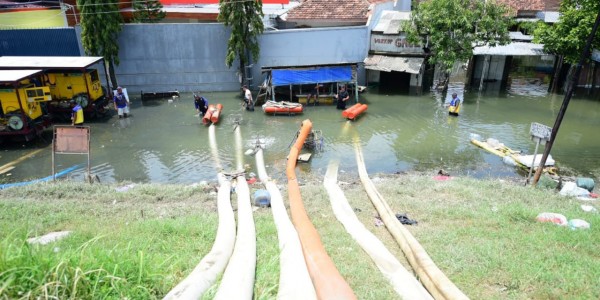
[{"x": 164, "y": 142}]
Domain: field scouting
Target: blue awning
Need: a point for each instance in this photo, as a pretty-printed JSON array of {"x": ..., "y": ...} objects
[{"x": 313, "y": 75}]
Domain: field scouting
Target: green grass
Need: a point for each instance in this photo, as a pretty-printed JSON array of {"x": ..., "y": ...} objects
[{"x": 140, "y": 243}]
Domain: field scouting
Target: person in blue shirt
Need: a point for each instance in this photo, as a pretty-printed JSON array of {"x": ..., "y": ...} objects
[
  {"x": 453, "y": 109},
  {"x": 121, "y": 103},
  {"x": 455, "y": 100},
  {"x": 201, "y": 104}
]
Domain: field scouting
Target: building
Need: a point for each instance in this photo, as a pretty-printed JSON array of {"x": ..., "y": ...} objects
[{"x": 392, "y": 61}]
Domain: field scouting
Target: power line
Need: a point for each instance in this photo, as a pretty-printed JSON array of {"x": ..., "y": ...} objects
[
  {"x": 68, "y": 6},
  {"x": 122, "y": 2}
]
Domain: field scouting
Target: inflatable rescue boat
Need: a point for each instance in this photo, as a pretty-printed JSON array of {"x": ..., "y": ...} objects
[{"x": 283, "y": 107}]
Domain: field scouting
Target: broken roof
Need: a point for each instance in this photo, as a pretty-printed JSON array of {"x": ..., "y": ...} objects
[{"x": 389, "y": 21}]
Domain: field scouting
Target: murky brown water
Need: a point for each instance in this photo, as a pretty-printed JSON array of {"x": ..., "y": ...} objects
[{"x": 164, "y": 142}]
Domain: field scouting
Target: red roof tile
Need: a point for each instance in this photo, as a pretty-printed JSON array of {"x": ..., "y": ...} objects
[
  {"x": 330, "y": 9},
  {"x": 524, "y": 4}
]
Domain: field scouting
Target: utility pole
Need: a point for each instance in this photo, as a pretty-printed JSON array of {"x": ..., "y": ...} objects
[{"x": 563, "y": 108}]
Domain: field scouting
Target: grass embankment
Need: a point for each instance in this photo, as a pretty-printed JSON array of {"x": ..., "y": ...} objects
[{"x": 140, "y": 243}]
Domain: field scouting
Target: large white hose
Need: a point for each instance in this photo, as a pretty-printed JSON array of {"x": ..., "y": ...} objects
[
  {"x": 206, "y": 272},
  {"x": 436, "y": 282},
  {"x": 403, "y": 282},
  {"x": 294, "y": 280},
  {"x": 238, "y": 279}
]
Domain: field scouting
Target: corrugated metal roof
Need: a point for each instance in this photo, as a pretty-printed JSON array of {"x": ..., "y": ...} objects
[
  {"x": 10, "y": 76},
  {"x": 48, "y": 62},
  {"x": 389, "y": 22},
  {"x": 514, "y": 49},
  {"x": 394, "y": 63},
  {"x": 38, "y": 42},
  {"x": 517, "y": 35}
]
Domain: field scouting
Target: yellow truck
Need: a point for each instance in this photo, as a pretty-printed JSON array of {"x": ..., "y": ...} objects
[
  {"x": 70, "y": 78},
  {"x": 22, "y": 104}
]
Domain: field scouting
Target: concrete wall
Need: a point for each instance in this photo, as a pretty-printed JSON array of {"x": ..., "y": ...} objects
[
  {"x": 495, "y": 68},
  {"x": 165, "y": 57},
  {"x": 191, "y": 57},
  {"x": 316, "y": 46}
]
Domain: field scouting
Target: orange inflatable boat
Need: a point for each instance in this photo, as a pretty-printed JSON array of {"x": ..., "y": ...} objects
[
  {"x": 283, "y": 107},
  {"x": 283, "y": 110}
]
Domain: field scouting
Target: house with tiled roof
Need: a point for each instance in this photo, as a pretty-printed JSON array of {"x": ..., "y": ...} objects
[
  {"x": 328, "y": 13},
  {"x": 519, "y": 64}
]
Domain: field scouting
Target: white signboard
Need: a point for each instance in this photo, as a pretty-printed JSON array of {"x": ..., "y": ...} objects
[
  {"x": 540, "y": 131},
  {"x": 124, "y": 92},
  {"x": 393, "y": 43},
  {"x": 596, "y": 55}
]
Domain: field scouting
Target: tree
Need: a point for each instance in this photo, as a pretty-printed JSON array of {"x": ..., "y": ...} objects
[
  {"x": 451, "y": 29},
  {"x": 245, "y": 20},
  {"x": 148, "y": 11},
  {"x": 100, "y": 28},
  {"x": 567, "y": 37}
]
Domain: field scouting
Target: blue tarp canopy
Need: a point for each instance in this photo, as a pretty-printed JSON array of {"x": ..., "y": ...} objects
[{"x": 313, "y": 75}]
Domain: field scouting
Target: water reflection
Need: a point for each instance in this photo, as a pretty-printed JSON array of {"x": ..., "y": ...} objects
[{"x": 164, "y": 141}]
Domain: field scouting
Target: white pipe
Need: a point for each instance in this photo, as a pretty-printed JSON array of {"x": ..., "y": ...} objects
[
  {"x": 294, "y": 280},
  {"x": 206, "y": 272},
  {"x": 212, "y": 140},
  {"x": 436, "y": 282},
  {"x": 403, "y": 282},
  {"x": 238, "y": 279}
]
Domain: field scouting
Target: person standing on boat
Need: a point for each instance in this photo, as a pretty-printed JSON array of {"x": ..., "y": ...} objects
[
  {"x": 342, "y": 97},
  {"x": 201, "y": 105},
  {"x": 248, "y": 102},
  {"x": 121, "y": 103}
]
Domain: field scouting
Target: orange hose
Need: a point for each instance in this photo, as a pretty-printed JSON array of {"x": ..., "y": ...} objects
[
  {"x": 351, "y": 108},
  {"x": 357, "y": 111},
  {"x": 328, "y": 282},
  {"x": 216, "y": 114},
  {"x": 208, "y": 114}
]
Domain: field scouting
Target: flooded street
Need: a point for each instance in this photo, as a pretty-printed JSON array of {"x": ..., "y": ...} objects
[{"x": 165, "y": 142}]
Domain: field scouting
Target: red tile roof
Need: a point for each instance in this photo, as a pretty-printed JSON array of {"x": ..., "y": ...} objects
[
  {"x": 330, "y": 9},
  {"x": 524, "y": 4},
  {"x": 552, "y": 5}
]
